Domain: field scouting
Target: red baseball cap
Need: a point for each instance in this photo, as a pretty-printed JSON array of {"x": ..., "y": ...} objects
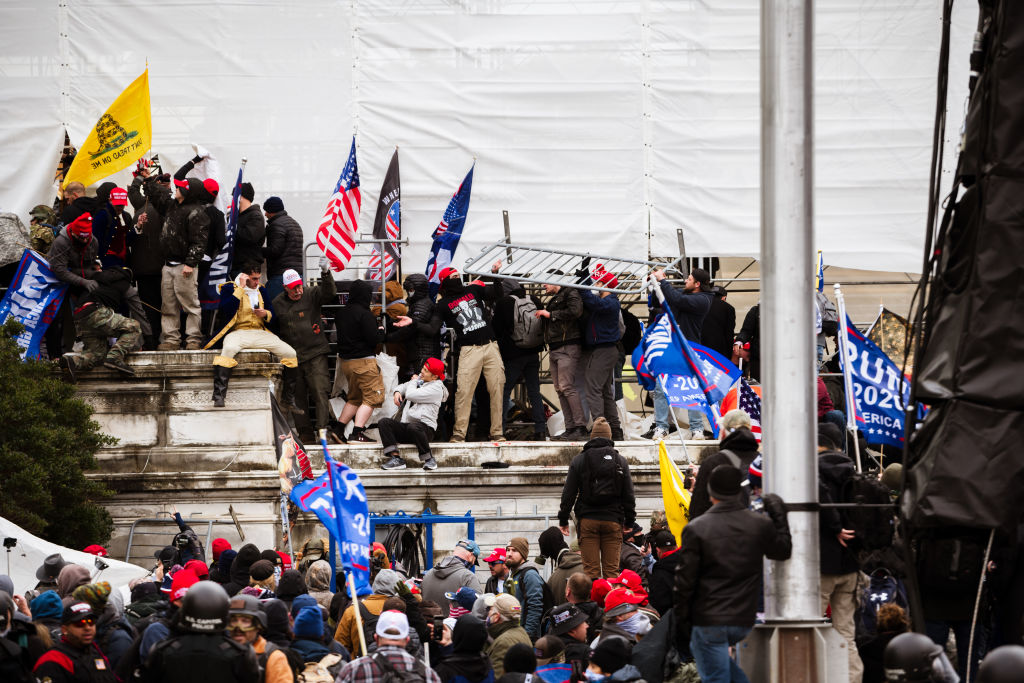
[
  {"x": 183, "y": 184},
  {"x": 620, "y": 601},
  {"x": 631, "y": 580},
  {"x": 600, "y": 590},
  {"x": 497, "y": 556},
  {"x": 447, "y": 273},
  {"x": 183, "y": 580},
  {"x": 286, "y": 561},
  {"x": 436, "y": 367},
  {"x": 211, "y": 186},
  {"x": 119, "y": 196},
  {"x": 97, "y": 550}
]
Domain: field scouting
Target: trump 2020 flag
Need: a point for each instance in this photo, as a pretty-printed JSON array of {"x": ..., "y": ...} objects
[
  {"x": 220, "y": 268},
  {"x": 119, "y": 138},
  {"x": 33, "y": 299},
  {"x": 336, "y": 235},
  {"x": 337, "y": 497},
  {"x": 449, "y": 230},
  {"x": 387, "y": 224},
  {"x": 879, "y": 401}
]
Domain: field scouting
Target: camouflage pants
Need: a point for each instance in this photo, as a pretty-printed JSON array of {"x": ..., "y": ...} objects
[{"x": 100, "y": 325}]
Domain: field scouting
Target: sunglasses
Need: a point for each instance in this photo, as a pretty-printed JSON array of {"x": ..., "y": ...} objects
[{"x": 82, "y": 623}]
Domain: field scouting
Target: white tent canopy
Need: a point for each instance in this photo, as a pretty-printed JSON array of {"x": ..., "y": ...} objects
[
  {"x": 28, "y": 555},
  {"x": 598, "y": 125}
]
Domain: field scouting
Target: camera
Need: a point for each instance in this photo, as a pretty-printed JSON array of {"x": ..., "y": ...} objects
[{"x": 10, "y": 542}]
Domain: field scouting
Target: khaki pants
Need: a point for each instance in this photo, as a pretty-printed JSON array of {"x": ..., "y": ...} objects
[
  {"x": 179, "y": 293},
  {"x": 600, "y": 546},
  {"x": 241, "y": 340},
  {"x": 840, "y": 591},
  {"x": 474, "y": 361}
]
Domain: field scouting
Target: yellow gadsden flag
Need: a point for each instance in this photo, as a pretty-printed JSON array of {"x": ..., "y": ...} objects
[
  {"x": 673, "y": 493},
  {"x": 122, "y": 135}
]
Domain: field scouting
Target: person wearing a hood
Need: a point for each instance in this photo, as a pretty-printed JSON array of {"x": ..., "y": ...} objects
[
  {"x": 245, "y": 306},
  {"x": 358, "y": 334},
  {"x": 520, "y": 350},
  {"x": 182, "y": 243},
  {"x": 462, "y": 309},
  {"x": 738, "y": 448},
  {"x": 97, "y": 320},
  {"x": 251, "y": 232},
  {"x": 300, "y": 324},
  {"x": 146, "y": 600},
  {"x": 312, "y": 551},
  {"x": 247, "y": 626},
  {"x": 526, "y": 584},
  {"x": 520, "y": 662},
  {"x": 599, "y": 491},
  {"x": 114, "y": 634},
  {"x": 71, "y": 577},
  {"x": 291, "y": 585},
  {"x": 718, "y": 582},
  {"x": 421, "y": 339},
  {"x": 467, "y": 663},
  {"x": 240, "y": 566},
  {"x": 318, "y": 579},
  {"x": 222, "y": 573},
  {"x": 420, "y": 400},
  {"x": 503, "y": 627},
  {"x": 452, "y": 573},
  {"x": 609, "y": 658},
  {"x": 46, "y": 611},
  {"x": 566, "y": 562},
  {"x": 279, "y": 626},
  {"x": 839, "y": 567},
  {"x": 284, "y": 244},
  {"x": 384, "y": 587}
]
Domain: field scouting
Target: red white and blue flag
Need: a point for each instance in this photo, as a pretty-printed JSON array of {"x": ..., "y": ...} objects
[
  {"x": 448, "y": 232},
  {"x": 387, "y": 224},
  {"x": 750, "y": 403},
  {"x": 336, "y": 235}
]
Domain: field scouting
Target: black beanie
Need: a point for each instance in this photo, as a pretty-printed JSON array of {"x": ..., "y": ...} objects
[
  {"x": 291, "y": 584},
  {"x": 247, "y": 191},
  {"x": 520, "y": 659},
  {"x": 725, "y": 483},
  {"x": 611, "y": 653},
  {"x": 273, "y": 205},
  {"x": 830, "y": 436},
  {"x": 551, "y": 542}
]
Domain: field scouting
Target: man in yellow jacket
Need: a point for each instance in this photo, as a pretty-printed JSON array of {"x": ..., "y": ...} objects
[{"x": 244, "y": 302}]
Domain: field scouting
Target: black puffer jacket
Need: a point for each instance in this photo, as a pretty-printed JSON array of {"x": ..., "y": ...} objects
[
  {"x": 574, "y": 492},
  {"x": 284, "y": 244},
  {"x": 250, "y": 235},
  {"x": 563, "y": 327},
  {"x": 186, "y": 227},
  {"x": 834, "y": 470},
  {"x": 743, "y": 443},
  {"x": 358, "y": 329},
  {"x": 421, "y": 339}
]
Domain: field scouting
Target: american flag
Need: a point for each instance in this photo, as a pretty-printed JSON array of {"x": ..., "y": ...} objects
[
  {"x": 337, "y": 232},
  {"x": 750, "y": 403}
]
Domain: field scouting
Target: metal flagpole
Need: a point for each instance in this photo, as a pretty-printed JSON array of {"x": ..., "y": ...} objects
[
  {"x": 851, "y": 400},
  {"x": 675, "y": 421}
]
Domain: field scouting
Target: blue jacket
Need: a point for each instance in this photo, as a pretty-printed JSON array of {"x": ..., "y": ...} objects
[
  {"x": 527, "y": 586},
  {"x": 601, "y": 322}
]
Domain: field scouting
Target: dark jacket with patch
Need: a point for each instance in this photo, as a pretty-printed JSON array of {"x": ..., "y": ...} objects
[
  {"x": 463, "y": 309},
  {"x": 186, "y": 225},
  {"x": 299, "y": 323},
  {"x": 622, "y": 511}
]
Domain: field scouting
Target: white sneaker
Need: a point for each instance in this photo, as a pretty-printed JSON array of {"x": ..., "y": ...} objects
[
  {"x": 659, "y": 434},
  {"x": 697, "y": 435}
]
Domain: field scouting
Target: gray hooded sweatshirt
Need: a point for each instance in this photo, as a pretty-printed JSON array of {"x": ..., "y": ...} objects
[
  {"x": 422, "y": 400},
  {"x": 448, "y": 576}
]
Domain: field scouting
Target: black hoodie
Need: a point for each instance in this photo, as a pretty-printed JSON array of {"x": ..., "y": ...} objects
[
  {"x": 743, "y": 443},
  {"x": 358, "y": 329},
  {"x": 247, "y": 554},
  {"x": 467, "y": 659},
  {"x": 834, "y": 470}
]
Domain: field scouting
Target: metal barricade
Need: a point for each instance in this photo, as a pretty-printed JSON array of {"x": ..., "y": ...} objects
[{"x": 162, "y": 537}]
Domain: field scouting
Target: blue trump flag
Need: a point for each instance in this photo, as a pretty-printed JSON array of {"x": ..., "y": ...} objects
[
  {"x": 33, "y": 299},
  {"x": 209, "y": 296},
  {"x": 337, "y": 497},
  {"x": 879, "y": 388},
  {"x": 448, "y": 232}
]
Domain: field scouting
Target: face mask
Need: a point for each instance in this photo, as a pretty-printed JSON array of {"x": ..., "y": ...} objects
[
  {"x": 594, "y": 676},
  {"x": 633, "y": 624}
]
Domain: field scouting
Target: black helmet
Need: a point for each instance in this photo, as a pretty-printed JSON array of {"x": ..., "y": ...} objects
[
  {"x": 1003, "y": 665},
  {"x": 250, "y": 607},
  {"x": 908, "y": 657},
  {"x": 205, "y": 608}
]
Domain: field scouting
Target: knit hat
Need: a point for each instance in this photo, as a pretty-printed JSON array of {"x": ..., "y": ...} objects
[
  {"x": 551, "y": 542},
  {"x": 469, "y": 635},
  {"x": 183, "y": 580},
  {"x": 97, "y": 550},
  {"x": 303, "y": 601},
  {"x": 309, "y": 623},
  {"x": 604, "y": 278},
  {"x": 46, "y": 605},
  {"x": 601, "y": 428},
  {"x": 71, "y": 577},
  {"x": 218, "y": 546},
  {"x": 621, "y": 601},
  {"x": 77, "y": 610},
  {"x": 611, "y": 654},
  {"x": 144, "y": 589},
  {"x": 734, "y": 419},
  {"x": 599, "y": 590},
  {"x": 392, "y": 624},
  {"x": 565, "y": 618},
  {"x": 520, "y": 659},
  {"x": 506, "y": 605},
  {"x": 754, "y": 471},
  {"x": 291, "y": 279},
  {"x": 96, "y": 594},
  {"x": 830, "y": 436},
  {"x": 436, "y": 367},
  {"x": 520, "y": 544},
  {"x": 261, "y": 570},
  {"x": 247, "y": 191},
  {"x": 725, "y": 483},
  {"x": 224, "y": 561},
  {"x": 548, "y": 648},
  {"x": 291, "y": 584},
  {"x": 81, "y": 226},
  {"x": 273, "y": 205},
  {"x": 119, "y": 197},
  {"x": 200, "y": 569},
  {"x": 278, "y": 626}
]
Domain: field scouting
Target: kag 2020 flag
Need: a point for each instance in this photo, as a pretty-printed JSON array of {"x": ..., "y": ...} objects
[
  {"x": 122, "y": 135},
  {"x": 338, "y": 498},
  {"x": 448, "y": 232},
  {"x": 33, "y": 299}
]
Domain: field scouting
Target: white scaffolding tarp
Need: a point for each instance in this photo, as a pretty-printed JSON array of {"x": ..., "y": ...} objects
[{"x": 599, "y": 125}]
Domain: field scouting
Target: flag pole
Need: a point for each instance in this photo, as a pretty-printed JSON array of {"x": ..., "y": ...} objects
[
  {"x": 672, "y": 412},
  {"x": 851, "y": 402}
]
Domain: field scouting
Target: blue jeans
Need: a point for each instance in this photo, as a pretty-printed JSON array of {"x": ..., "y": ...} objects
[
  {"x": 661, "y": 414},
  {"x": 710, "y": 648}
]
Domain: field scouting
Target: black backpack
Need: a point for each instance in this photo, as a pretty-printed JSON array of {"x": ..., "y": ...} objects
[
  {"x": 873, "y": 527},
  {"x": 603, "y": 477},
  {"x": 369, "y": 620},
  {"x": 393, "y": 675},
  {"x": 295, "y": 662}
]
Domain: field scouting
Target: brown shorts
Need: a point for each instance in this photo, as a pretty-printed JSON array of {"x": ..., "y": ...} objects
[{"x": 365, "y": 387}]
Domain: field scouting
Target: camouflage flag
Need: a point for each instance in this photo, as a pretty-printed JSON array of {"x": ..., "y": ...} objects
[{"x": 893, "y": 335}]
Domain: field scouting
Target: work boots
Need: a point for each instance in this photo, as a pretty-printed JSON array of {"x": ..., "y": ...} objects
[
  {"x": 288, "y": 378},
  {"x": 221, "y": 377}
]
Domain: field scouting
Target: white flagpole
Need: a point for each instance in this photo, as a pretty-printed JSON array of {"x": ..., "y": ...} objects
[{"x": 851, "y": 402}]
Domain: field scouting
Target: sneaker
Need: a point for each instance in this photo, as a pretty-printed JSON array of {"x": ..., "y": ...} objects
[
  {"x": 430, "y": 464},
  {"x": 67, "y": 361},
  {"x": 363, "y": 438},
  {"x": 336, "y": 434},
  {"x": 697, "y": 435},
  {"x": 659, "y": 434},
  {"x": 168, "y": 346},
  {"x": 119, "y": 365},
  {"x": 394, "y": 463},
  {"x": 193, "y": 346}
]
